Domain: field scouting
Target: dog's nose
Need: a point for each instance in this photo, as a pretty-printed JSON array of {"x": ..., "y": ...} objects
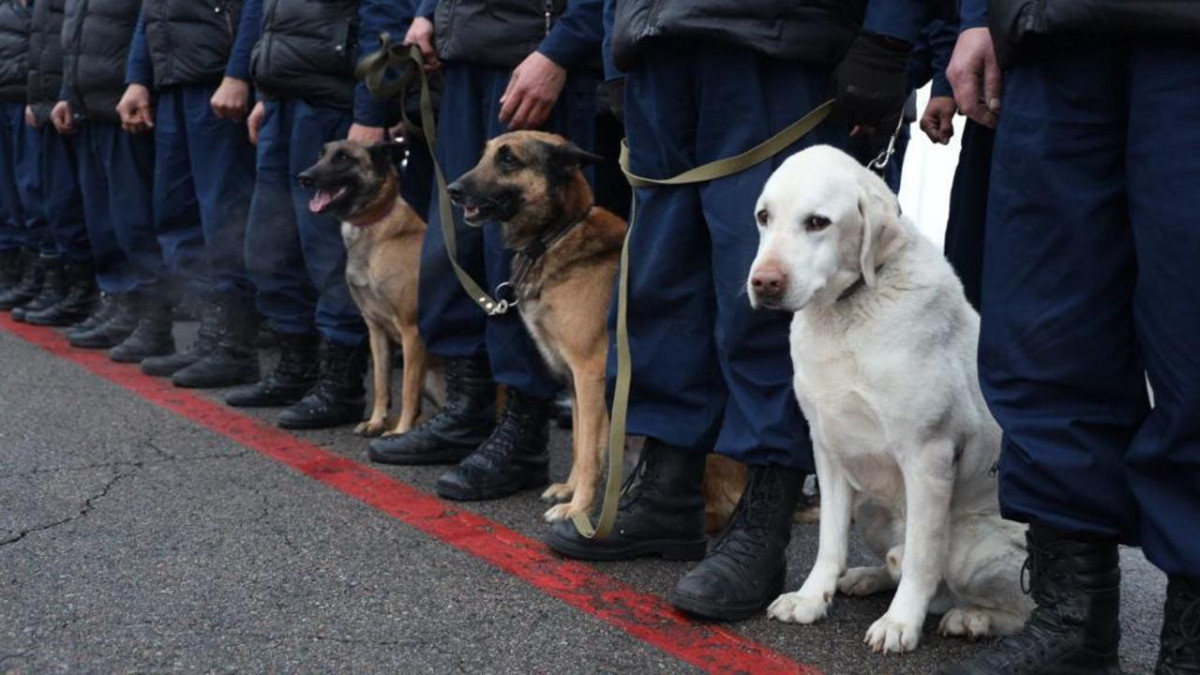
[
  {"x": 768, "y": 281},
  {"x": 306, "y": 180},
  {"x": 455, "y": 191}
]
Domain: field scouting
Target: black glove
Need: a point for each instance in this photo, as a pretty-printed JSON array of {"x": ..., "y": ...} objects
[{"x": 871, "y": 82}]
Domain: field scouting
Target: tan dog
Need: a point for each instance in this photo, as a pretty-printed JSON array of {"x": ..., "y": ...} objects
[
  {"x": 361, "y": 188},
  {"x": 567, "y": 254}
]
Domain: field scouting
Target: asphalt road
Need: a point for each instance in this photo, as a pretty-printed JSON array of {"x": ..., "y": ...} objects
[{"x": 133, "y": 539}]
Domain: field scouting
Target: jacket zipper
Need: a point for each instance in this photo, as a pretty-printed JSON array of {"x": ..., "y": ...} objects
[{"x": 548, "y": 6}]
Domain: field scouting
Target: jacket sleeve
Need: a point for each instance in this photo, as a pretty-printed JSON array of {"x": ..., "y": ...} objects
[
  {"x": 576, "y": 35},
  {"x": 248, "y": 33},
  {"x": 972, "y": 14},
  {"x": 610, "y": 15},
  {"x": 426, "y": 9},
  {"x": 138, "y": 69},
  {"x": 900, "y": 19},
  {"x": 376, "y": 17},
  {"x": 942, "y": 36}
]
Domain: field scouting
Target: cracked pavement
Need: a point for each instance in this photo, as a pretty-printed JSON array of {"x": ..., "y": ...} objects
[{"x": 132, "y": 540}]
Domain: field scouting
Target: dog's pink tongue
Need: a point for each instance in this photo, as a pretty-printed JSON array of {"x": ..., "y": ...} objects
[{"x": 319, "y": 201}]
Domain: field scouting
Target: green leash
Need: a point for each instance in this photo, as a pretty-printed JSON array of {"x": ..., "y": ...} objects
[{"x": 373, "y": 71}]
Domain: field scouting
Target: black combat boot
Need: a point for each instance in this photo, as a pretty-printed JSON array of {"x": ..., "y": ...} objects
[
  {"x": 458, "y": 429},
  {"x": 205, "y": 342},
  {"x": 76, "y": 303},
  {"x": 233, "y": 359},
  {"x": 152, "y": 337},
  {"x": 661, "y": 512},
  {"x": 53, "y": 290},
  {"x": 1180, "y": 652},
  {"x": 103, "y": 310},
  {"x": 745, "y": 570},
  {"x": 112, "y": 332},
  {"x": 339, "y": 396},
  {"x": 30, "y": 284},
  {"x": 12, "y": 267},
  {"x": 1075, "y": 628},
  {"x": 294, "y": 375},
  {"x": 512, "y": 459}
]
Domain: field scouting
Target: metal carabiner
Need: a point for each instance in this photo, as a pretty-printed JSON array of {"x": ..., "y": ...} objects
[
  {"x": 881, "y": 160},
  {"x": 503, "y": 305}
]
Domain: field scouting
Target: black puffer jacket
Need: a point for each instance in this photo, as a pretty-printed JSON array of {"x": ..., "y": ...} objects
[
  {"x": 307, "y": 51},
  {"x": 813, "y": 31},
  {"x": 189, "y": 40},
  {"x": 492, "y": 32},
  {"x": 45, "y": 56},
  {"x": 1015, "y": 22},
  {"x": 95, "y": 38},
  {"x": 14, "y": 51}
]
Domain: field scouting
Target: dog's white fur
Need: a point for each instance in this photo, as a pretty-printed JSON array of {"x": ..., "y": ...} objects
[{"x": 886, "y": 376}]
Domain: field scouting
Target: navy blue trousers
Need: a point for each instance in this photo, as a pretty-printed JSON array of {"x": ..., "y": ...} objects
[
  {"x": 968, "y": 208},
  {"x": 63, "y": 204},
  {"x": 708, "y": 371},
  {"x": 297, "y": 259},
  {"x": 1090, "y": 288},
  {"x": 24, "y": 220},
  {"x": 450, "y": 322},
  {"x": 203, "y": 183},
  {"x": 116, "y": 173}
]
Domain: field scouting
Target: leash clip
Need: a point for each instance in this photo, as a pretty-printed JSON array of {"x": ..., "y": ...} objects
[
  {"x": 881, "y": 160},
  {"x": 502, "y": 304}
]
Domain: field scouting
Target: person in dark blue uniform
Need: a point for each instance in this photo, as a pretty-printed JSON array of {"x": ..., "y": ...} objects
[
  {"x": 61, "y": 201},
  {"x": 297, "y": 259},
  {"x": 204, "y": 175},
  {"x": 505, "y": 66},
  {"x": 24, "y": 234},
  {"x": 704, "y": 81},
  {"x": 1090, "y": 294}
]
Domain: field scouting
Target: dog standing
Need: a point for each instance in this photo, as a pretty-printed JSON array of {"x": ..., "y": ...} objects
[
  {"x": 883, "y": 345},
  {"x": 567, "y": 255},
  {"x": 360, "y": 187}
]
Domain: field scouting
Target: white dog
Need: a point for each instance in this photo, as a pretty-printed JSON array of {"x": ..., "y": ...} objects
[{"x": 883, "y": 344}]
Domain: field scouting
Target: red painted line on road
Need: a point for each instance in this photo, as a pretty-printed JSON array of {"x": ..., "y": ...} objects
[{"x": 642, "y": 615}]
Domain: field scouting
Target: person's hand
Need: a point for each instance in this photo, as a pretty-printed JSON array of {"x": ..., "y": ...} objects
[
  {"x": 938, "y": 119},
  {"x": 871, "y": 83},
  {"x": 63, "y": 118},
  {"x": 975, "y": 76},
  {"x": 232, "y": 99},
  {"x": 420, "y": 33},
  {"x": 365, "y": 135},
  {"x": 254, "y": 122},
  {"x": 134, "y": 109},
  {"x": 30, "y": 119},
  {"x": 532, "y": 92}
]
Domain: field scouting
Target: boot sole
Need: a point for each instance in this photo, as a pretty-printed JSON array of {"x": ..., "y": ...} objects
[
  {"x": 319, "y": 424},
  {"x": 276, "y": 403},
  {"x": 490, "y": 493},
  {"x": 666, "y": 549},
  {"x": 706, "y": 609},
  {"x": 216, "y": 384},
  {"x": 134, "y": 358}
]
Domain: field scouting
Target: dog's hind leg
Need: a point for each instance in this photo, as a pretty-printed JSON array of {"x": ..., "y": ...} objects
[
  {"x": 588, "y": 436},
  {"x": 863, "y": 581},
  {"x": 974, "y": 622},
  {"x": 415, "y": 364},
  {"x": 381, "y": 358}
]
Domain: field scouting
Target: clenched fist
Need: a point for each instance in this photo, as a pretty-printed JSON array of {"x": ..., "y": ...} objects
[
  {"x": 532, "y": 92},
  {"x": 134, "y": 108},
  {"x": 232, "y": 99}
]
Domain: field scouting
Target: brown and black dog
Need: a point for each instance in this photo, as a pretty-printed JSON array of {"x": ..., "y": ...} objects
[
  {"x": 567, "y": 254},
  {"x": 360, "y": 187}
]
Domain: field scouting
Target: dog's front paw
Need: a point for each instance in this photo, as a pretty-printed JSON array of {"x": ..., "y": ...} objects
[
  {"x": 968, "y": 622},
  {"x": 863, "y": 581},
  {"x": 797, "y": 608},
  {"x": 559, "y": 492},
  {"x": 889, "y": 636},
  {"x": 560, "y": 512},
  {"x": 371, "y": 427}
]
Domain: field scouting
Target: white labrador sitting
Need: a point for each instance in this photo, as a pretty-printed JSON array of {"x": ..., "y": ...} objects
[{"x": 883, "y": 344}]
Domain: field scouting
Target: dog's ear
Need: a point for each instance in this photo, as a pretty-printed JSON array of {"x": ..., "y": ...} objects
[
  {"x": 388, "y": 153},
  {"x": 567, "y": 157},
  {"x": 882, "y": 234}
]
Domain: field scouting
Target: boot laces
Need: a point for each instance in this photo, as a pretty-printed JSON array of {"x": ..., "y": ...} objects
[
  {"x": 291, "y": 363},
  {"x": 514, "y": 424},
  {"x": 745, "y": 535},
  {"x": 336, "y": 369},
  {"x": 643, "y": 475}
]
